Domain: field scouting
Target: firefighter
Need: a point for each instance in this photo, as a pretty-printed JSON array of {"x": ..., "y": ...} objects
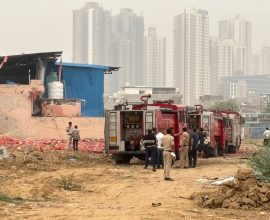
[
  {"x": 168, "y": 145},
  {"x": 193, "y": 149},
  {"x": 149, "y": 143},
  {"x": 184, "y": 143},
  {"x": 69, "y": 130}
]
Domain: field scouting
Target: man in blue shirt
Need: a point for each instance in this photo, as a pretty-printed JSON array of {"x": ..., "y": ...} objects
[{"x": 150, "y": 142}]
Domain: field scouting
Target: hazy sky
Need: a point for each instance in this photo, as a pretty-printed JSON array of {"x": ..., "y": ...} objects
[{"x": 46, "y": 25}]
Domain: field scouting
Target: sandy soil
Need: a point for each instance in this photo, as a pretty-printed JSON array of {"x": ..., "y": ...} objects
[{"x": 108, "y": 191}]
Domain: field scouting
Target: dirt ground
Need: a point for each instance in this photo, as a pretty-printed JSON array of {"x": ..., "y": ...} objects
[{"x": 99, "y": 189}]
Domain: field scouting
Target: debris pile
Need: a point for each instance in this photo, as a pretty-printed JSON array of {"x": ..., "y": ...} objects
[
  {"x": 244, "y": 193},
  {"x": 85, "y": 145}
]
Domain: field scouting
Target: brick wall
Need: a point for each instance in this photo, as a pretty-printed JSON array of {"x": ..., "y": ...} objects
[{"x": 16, "y": 119}]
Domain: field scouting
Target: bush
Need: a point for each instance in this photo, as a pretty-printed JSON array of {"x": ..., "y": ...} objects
[
  {"x": 67, "y": 182},
  {"x": 5, "y": 198},
  {"x": 260, "y": 162}
]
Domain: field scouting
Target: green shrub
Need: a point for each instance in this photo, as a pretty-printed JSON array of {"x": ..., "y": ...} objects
[
  {"x": 260, "y": 162},
  {"x": 67, "y": 182},
  {"x": 5, "y": 198}
]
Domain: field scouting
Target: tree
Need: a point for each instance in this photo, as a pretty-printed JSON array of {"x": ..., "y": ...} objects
[{"x": 226, "y": 105}]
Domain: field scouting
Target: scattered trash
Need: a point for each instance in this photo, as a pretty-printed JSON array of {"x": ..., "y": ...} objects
[
  {"x": 73, "y": 159},
  {"x": 242, "y": 192},
  {"x": 223, "y": 181},
  {"x": 204, "y": 180},
  {"x": 156, "y": 204},
  {"x": 3, "y": 153},
  {"x": 216, "y": 181}
]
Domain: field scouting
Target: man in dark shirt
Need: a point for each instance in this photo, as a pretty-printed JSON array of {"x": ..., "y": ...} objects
[
  {"x": 150, "y": 142},
  {"x": 194, "y": 147},
  {"x": 201, "y": 143}
]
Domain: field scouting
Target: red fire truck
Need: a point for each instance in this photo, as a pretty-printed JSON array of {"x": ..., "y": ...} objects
[
  {"x": 223, "y": 128},
  {"x": 126, "y": 125}
]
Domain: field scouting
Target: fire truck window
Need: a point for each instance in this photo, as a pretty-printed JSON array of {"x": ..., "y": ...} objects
[
  {"x": 182, "y": 117},
  {"x": 112, "y": 126},
  {"x": 149, "y": 120}
]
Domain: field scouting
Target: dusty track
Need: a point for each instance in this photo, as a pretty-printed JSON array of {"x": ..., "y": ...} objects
[{"x": 110, "y": 191}]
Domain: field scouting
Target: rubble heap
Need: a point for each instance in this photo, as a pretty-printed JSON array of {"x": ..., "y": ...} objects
[
  {"x": 85, "y": 145},
  {"x": 244, "y": 193}
]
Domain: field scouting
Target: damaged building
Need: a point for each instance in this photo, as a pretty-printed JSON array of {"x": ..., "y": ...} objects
[{"x": 39, "y": 96}]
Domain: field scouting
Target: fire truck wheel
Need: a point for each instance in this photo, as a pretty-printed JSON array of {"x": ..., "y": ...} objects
[
  {"x": 221, "y": 151},
  {"x": 232, "y": 149},
  {"x": 122, "y": 161}
]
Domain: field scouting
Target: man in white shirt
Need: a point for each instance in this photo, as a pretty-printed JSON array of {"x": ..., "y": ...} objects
[
  {"x": 266, "y": 136},
  {"x": 159, "y": 137}
]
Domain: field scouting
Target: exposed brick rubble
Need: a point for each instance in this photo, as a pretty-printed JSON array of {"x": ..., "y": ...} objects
[
  {"x": 85, "y": 145},
  {"x": 245, "y": 193}
]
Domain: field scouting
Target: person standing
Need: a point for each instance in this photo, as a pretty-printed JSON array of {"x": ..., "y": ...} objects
[
  {"x": 194, "y": 148},
  {"x": 206, "y": 145},
  {"x": 69, "y": 130},
  {"x": 149, "y": 143},
  {"x": 160, "y": 136},
  {"x": 168, "y": 145},
  {"x": 266, "y": 137},
  {"x": 184, "y": 143},
  {"x": 201, "y": 135},
  {"x": 75, "y": 137},
  {"x": 155, "y": 150}
]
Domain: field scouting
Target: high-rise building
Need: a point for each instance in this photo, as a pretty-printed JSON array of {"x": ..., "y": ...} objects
[
  {"x": 154, "y": 59},
  {"x": 265, "y": 60},
  {"x": 127, "y": 49},
  {"x": 91, "y": 34},
  {"x": 191, "y": 54},
  {"x": 213, "y": 64},
  {"x": 256, "y": 63},
  {"x": 238, "y": 30},
  {"x": 92, "y": 37}
]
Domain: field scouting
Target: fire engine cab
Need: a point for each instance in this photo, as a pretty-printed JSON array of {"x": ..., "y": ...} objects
[{"x": 124, "y": 128}]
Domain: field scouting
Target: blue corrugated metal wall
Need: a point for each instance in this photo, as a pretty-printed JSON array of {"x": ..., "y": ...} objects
[{"x": 87, "y": 84}]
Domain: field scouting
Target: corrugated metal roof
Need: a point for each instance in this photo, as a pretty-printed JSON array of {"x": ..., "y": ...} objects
[
  {"x": 87, "y": 84},
  {"x": 24, "y": 59},
  {"x": 93, "y": 66}
]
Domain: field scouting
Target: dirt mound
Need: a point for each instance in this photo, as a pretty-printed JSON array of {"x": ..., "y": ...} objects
[{"x": 244, "y": 193}]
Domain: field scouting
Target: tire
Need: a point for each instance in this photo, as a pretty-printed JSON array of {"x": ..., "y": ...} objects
[
  {"x": 122, "y": 159},
  {"x": 221, "y": 151},
  {"x": 140, "y": 157},
  {"x": 232, "y": 149},
  {"x": 118, "y": 161}
]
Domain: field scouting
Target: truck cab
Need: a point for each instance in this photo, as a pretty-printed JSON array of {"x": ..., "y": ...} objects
[{"x": 124, "y": 130}]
